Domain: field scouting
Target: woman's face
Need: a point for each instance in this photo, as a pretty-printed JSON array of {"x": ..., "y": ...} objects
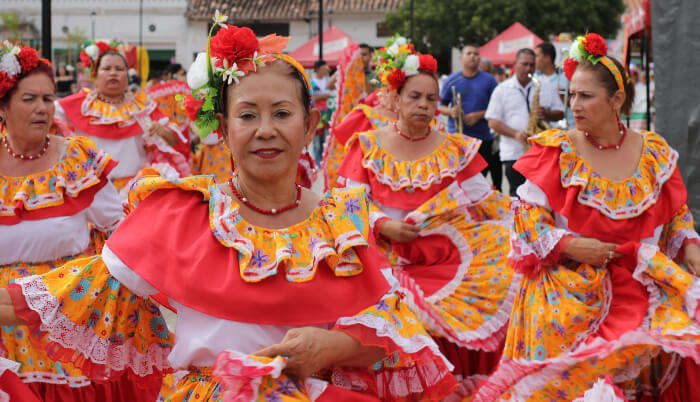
[
  {"x": 29, "y": 112},
  {"x": 590, "y": 103},
  {"x": 111, "y": 78},
  {"x": 418, "y": 100},
  {"x": 265, "y": 125}
]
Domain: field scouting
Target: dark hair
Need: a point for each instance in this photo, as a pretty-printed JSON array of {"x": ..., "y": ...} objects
[
  {"x": 477, "y": 47},
  {"x": 305, "y": 91},
  {"x": 319, "y": 63},
  {"x": 174, "y": 68},
  {"x": 99, "y": 60},
  {"x": 42, "y": 68},
  {"x": 548, "y": 50},
  {"x": 433, "y": 75},
  {"x": 526, "y": 51},
  {"x": 606, "y": 79},
  {"x": 498, "y": 71},
  {"x": 365, "y": 46}
]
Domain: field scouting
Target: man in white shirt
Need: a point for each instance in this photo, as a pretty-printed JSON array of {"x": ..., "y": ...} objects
[
  {"x": 508, "y": 112},
  {"x": 545, "y": 56}
]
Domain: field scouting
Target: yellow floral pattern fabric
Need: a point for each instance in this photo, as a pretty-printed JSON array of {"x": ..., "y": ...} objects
[
  {"x": 472, "y": 309},
  {"x": 616, "y": 200},
  {"x": 21, "y": 344},
  {"x": 103, "y": 113},
  {"x": 560, "y": 307},
  {"x": 213, "y": 160},
  {"x": 80, "y": 168},
  {"x": 87, "y": 311},
  {"x": 448, "y": 159}
]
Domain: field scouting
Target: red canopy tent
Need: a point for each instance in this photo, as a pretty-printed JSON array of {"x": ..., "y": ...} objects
[
  {"x": 502, "y": 49},
  {"x": 334, "y": 42}
]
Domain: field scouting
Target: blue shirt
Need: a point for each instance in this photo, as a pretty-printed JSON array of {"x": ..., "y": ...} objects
[{"x": 476, "y": 93}]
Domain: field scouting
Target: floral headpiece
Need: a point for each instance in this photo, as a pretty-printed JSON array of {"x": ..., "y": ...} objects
[
  {"x": 398, "y": 60},
  {"x": 93, "y": 50},
  {"x": 16, "y": 61},
  {"x": 232, "y": 53},
  {"x": 593, "y": 48}
]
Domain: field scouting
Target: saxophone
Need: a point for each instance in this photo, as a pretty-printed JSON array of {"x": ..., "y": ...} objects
[
  {"x": 457, "y": 101},
  {"x": 535, "y": 125}
]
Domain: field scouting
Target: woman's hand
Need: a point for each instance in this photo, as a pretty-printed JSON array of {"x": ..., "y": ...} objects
[
  {"x": 591, "y": 251},
  {"x": 691, "y": 258},
  {"x": 167, "y": 135},
  {"x": 310, "y": 349},
  {"x": 398, "y": 231}
]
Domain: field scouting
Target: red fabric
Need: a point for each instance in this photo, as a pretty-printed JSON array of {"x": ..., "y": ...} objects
[
  {"x": 355, "y": 122},
  {"x": 377, "y": 224},
  {"x": 352, "y": 169},
  {"x": 501, "y": 51},
  {"x": 16, "y": 389},
  {"x": 179, "y": 220},
  {"x": 72, "y": 106},
  {"x": 70, "y": 206},
  {"x": 181, "y": 147},
  {"x": 685, "y": 387},
  {"x": 337, "y": 394},
  {"x": 371, "y": 99},
  {"x": 540, "y": 165},
  {"x": 435, "y": 261},
  {"x": 630, "y": 300},
  {"x": 122, "y": 389},
  {"x": 335, "y": 41},
  {"x": 469, "y": 362}
]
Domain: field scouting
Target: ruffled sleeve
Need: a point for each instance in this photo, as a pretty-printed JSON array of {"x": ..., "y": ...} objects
[
  {"x": 536, "y": 241},
  {"x": 677, "y": 233}
]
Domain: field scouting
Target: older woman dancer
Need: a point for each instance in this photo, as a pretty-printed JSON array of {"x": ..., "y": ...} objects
[
  {"x": 53, "y": 189},
  {"x": 600, "y": 235},
  {"x": 272, "y": 283},
  {"x": 441, "y": 224},
  {"x": 129, "y": 126}
]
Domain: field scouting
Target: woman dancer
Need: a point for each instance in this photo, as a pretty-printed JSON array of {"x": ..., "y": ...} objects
[
  {"x": 599, "y": 235},
  {"x": 439, "y": 221},
  {"x": 130, "y": 127},
  {"x": 53, "y": 188},
  {"x": 294, "y": 285}
]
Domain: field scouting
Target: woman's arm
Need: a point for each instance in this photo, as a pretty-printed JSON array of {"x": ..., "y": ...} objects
[{"x": 7, "y": 310}]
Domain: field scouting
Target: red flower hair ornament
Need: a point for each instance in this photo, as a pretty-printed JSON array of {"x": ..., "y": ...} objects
[{"x": 16, "y": 62}]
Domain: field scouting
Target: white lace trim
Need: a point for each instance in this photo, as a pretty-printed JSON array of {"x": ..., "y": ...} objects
[
  {"x": 53, "y": 378},
  {"x": 601, "y": 391},
  {"x": 540, "y": 248},
  {"x": 98, "y": 119},
  {"x": 467, "y": 150},
  {"x": 529, "y": 192},
  {"x": 676, "y": 242},
  {"x": 82, "y": 339},
  {"x": 386, "y": 329},
  {"x": 7, "y": 364},
  {"x": 225, "y": 216},
  {"x": 465, "y": 254}
]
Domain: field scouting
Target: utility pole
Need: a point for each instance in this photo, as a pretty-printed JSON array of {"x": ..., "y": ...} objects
[
  {"x": 46, "y": 29},
  {"x": 320, "y": 29}
]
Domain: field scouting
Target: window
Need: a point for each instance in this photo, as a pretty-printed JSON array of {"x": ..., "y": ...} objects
[{"x": 383, "y": 30}]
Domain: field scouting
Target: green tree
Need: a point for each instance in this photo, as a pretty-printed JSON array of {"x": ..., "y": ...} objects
[
  {"x": 11, "y": 26},
  {"x": 441, "y": 24}
]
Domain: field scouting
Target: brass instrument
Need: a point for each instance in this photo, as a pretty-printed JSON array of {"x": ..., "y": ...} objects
[
  {"x": 457, "y": 101},
  {"x": 535, "y": 125}
]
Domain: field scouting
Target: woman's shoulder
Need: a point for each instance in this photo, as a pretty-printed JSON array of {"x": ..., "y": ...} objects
[{"x": 549, "y": 138}]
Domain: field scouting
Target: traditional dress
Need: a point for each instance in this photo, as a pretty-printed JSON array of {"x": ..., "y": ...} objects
[
  {"x": 351, "y": 89},
  {"x": 258, "y": 284},
  {"x": 635, "y": 320},
  {"x": 456, "y": 269},
  {"x": 45, "y": 221},
  {"x": 214, "y": 158},
  {"x": 120, "y": 131}
]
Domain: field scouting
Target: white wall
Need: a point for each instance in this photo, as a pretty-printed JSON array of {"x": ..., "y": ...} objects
[{"x": 360, "y": 27}]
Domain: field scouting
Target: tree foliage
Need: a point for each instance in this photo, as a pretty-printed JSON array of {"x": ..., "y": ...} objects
[{"x": 441, "y": 24}]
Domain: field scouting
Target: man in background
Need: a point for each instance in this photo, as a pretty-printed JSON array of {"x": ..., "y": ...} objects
[
  {"x": 509, "y": 111},
  {"x": 320, "y": 94},
  {"x": 474, "y": 87}
]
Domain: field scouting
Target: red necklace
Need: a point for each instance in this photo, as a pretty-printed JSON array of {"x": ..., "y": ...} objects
[
  {"x": 273, "y": 211},
  {"x": 23, "y": 156},
  {"x": 408, "y": 137},
  {"x": 623, "y": 132},
  {"x": 110, "y": 101}
]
